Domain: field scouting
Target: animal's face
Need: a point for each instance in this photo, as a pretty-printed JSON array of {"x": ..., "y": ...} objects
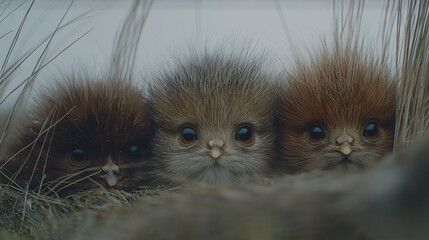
[
  {"x": 337, "y": 113},
  {"x": 215, "y": 151},
  {"x": 215, "y": 121},
  {"x": 86, "y": 135},
  {"x": 341, "y": 146},
  {"x": 111, "y": 153}
]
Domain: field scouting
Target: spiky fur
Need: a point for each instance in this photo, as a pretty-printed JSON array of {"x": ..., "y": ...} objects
[
  {"x": 341, "y": 89},
  {"x": 215, "y": 92},
  {"x": 102, "y": 116}
]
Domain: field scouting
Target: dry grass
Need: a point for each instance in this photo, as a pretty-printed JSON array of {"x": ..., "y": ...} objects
[
  {"x": 20, "y": 210},
  {"x": 412, "y": 64},
  {"x": 24, "y": 86},
  {"x": 17, "y": 204}
]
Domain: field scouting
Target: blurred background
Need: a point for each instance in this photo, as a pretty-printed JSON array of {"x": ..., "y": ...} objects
[{"x": 281, "y": 28}]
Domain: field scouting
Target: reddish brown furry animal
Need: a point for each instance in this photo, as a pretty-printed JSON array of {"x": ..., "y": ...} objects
[
  {"x": 84, "y": 134},
  {"x": 215, "y": 117},
  {"x": 337, "y": 112}
]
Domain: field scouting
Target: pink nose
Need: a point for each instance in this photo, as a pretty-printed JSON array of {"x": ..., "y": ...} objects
[
  {"x": 344, "y": 138},
  {"x": 216, "y": 142},
  {"x": 111, "y": 170},
  {"x": 345, "y": 142},
  {"x": 216, "y": 146}
]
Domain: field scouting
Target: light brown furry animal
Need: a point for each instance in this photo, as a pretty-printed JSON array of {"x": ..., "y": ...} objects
[
  {"x": 83, "y": 134},
  {"x": 336, "y": 112},
  {"x": 214, "y": 114},
  {"x": 389, "y": 202}
]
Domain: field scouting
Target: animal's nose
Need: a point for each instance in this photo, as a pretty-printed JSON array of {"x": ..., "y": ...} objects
[
  {"x": 344, "y": 138},
  {"x": 216, "y": 147},
  {"x": 345, "y": 148},
  {"x": 112, "y": 171},
  {"x": 345, "y": 143},
  {"x": 110, "y": 166},
  {"x": 216, "y": 142}
]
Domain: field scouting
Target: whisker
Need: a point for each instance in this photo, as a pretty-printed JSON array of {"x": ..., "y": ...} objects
[
  {"x": 71, "y": 175},
  {"x": 97, "y": 183},
  {"x": 66, "y": 186}
]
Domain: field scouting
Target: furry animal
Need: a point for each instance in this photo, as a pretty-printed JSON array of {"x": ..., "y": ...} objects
[
  {"x": 84, "y": 134},
  {"x": 214, "y": 114},
  {"x": 389, "y": 202},
  {"x": 336, "y": 112}
]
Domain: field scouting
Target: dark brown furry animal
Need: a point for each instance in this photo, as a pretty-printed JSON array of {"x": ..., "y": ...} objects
[
  {"x": 336, "y": 112},
  {"x": 214, "y": 113},
  {"x": 83, "y": 134},
  {"x": 389, "y": 202}
]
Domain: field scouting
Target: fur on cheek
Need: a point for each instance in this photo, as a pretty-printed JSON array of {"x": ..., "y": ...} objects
[{"x": 194, "y": 164}]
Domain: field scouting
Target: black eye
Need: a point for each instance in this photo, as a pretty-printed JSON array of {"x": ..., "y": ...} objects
[
  {"x": 134, "y": 150},
  {"x": 188, "y": 135},
  {"x": 371, "y": 130},
  {"x": 78, "y": 157},
  {"x": 316, "y": 134},
  {"x": 244, "y": 135}
]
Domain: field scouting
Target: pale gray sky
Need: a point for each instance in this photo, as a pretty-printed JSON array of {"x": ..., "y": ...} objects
[{"x": 171, "y": 27}]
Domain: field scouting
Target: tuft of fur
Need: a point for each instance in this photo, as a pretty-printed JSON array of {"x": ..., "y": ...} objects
[
  {"x": 340, "y": 90},
  {"x": 104, "y": 118},
  {"x": 216, "y": 93}
]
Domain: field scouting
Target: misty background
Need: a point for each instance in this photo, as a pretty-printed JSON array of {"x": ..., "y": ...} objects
[{"x": 171, "y": 27}]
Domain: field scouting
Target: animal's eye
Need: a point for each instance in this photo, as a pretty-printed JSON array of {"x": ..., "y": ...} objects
[
  {"x": 316, "y": 134},
  {"x": 134, "y": 150},
  {"x": 188, "y": 135},
  {"x": 244, "y": 134},
  {"x": 371, "y": 130},
  {"x": 78, "y": 157}
]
